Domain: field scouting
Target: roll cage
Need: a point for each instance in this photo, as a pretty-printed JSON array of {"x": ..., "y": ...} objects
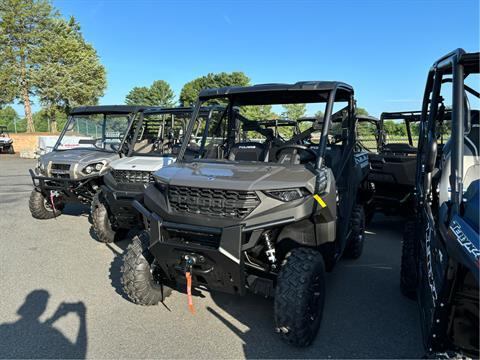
[
  {"x": 453, "y": 67},
  {"x": 408, "y": 117},
  {"x": 133, "y": 136},
  {"x": 3, "y": 130},
  {"x": 271, "y": 94}
]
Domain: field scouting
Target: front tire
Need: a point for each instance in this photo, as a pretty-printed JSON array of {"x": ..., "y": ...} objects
[
  {"x": 40, "y": 206},
  {"x": 101, "y": 222},
  {"x": 354, "y": 247},
  {"x": 408, "y": 267},
  {"x": 300, "y": 296},
  {"x": 141, "y": 280}
]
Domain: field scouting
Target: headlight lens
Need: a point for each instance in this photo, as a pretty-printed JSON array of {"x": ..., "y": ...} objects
[
  {"x": 93, "y": 168},
  {"x": 287, "y": 194}
]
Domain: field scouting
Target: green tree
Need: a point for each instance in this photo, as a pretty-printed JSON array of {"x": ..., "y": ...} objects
[
  {"x": 137, "y": 96},
  {"x": 22, "y": 35},
  {"x": 294, "y": 111},
  {"x": 158, "y": 94},
  {"x": 362, "y": 111},
  {"x": 9, "y": 118},
  {"x": 70, "y": 72},
  {"x": 190, "y": 90},
  {"x": 258, "y": 112}
]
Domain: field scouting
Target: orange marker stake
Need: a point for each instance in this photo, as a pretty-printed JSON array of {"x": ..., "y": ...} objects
[{"x": 188, "y": 275}]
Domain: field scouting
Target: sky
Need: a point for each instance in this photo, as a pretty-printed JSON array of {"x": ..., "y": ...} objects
[{"x": 382, "y": 48}]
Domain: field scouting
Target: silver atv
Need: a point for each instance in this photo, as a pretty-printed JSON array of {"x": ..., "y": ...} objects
[
  {"x": 6, "y": 142},
  {"x": 92, "y": 137},
  {"x": 153, "y": 145}
]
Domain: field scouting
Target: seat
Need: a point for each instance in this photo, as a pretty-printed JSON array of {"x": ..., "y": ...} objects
[
  {"x": 400, "y": 148},
  {"x": 143, "y": 147},
  {"x": 247, "y": 151},
  {"x": 471, "y": 159}
]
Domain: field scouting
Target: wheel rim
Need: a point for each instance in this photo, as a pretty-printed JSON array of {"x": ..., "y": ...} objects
[
  {"x": 156, "y": 275},
  {"x": 47, "y": 205}
]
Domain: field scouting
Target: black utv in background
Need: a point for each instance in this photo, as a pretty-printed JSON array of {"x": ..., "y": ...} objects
[
  {"x": 441, "y": 248},
  {"x": 252, "y": 212}
]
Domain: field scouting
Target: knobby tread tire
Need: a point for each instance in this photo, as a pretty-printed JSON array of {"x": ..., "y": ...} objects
[
  {"x": 38, "y": 209},
  {"x": 137, "y": 280},
  {"x": 293, "y": 292},
  {"x": 101, "y": 222},
  {"x": 408, "y": 266},
  {"x": 354, "y": 247}
]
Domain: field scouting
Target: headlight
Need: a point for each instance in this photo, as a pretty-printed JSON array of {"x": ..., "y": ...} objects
[
  {"x": 93, "y": 168},
  {"x": 287, "y": 194}
]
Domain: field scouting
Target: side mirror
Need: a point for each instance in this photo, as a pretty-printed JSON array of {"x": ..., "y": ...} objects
[{"x": 431, "y": 155}]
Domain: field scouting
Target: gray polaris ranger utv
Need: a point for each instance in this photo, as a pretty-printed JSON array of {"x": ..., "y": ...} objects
[
  {"x": 252, "y": 213},
  {"x": 92, "y": 137},
  {"x": 154, "y": 144}
]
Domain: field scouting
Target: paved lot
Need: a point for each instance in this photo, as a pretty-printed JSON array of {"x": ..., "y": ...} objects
[{"x": 46, "y": 263}]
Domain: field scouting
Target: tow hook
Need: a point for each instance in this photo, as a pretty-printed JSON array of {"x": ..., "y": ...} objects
[
  {"x": 53, "y": 194},
  {"x": 189, "y": 262}
]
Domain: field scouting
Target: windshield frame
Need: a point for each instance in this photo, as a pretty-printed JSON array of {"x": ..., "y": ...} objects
[
  {"x": 205, "y": 111},
  {"x": 323, "y": 124},
  {"x": 71, "y": 118}
]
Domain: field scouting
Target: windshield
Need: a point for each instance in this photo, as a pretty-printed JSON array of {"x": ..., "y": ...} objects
[
  {"x": 94, "y": 131},
  {"x": 251, "y": 133},
  {"x": 367, "y": 135},
  {"x": 161, "y": 133}
]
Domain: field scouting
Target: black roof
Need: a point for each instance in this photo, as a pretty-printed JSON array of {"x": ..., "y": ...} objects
[
  {"x": 107, "y": 109},
  {"x": 407, "y": 115},
  {"x": 470, "y": 61},
  {"x": 412, "y": 116},
  {"x": 277, "y": 122},
  {"x": 300, "y": 92},
  {"x": 179, "y": 110},
  {"x": 369, "y": 118}
]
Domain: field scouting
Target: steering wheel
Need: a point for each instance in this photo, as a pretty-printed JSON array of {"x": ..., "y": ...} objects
[{"x": 297, "y": 148}]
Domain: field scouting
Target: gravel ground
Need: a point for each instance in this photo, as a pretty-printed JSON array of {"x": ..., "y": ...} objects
[{"x": 45, "y": 264}]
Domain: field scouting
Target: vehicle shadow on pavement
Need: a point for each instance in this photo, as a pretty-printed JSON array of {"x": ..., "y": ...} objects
[
  {"x": 365, "y": 315},
  {"x": 75, "y": 209},
  {"x": 29, "y": 337}
]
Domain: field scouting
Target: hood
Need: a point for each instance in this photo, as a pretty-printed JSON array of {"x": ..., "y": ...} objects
[
  {"x": 142, "y": 163},
  {"x": 5, "y": 139},
  {"x": 236, "y": 176},
  {"x": 78, "y": 156}
]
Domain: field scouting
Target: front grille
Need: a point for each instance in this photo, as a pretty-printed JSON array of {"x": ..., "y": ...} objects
[
  {"x": 212, "y": 202},
  {"x": 132, "y": 176},
  {"x": 60, "y": 171}
]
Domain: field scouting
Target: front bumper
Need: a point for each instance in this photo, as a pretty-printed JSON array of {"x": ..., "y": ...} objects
[
  {"x": 120, "y": 206},
  {"x": 218, "y": 251},
  {"x": 68, "y": 187}
]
